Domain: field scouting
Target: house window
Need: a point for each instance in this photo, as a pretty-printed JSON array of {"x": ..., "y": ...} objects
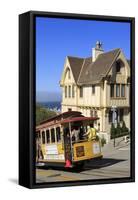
[
  {"x": 117, "y": 90},
  {"x": 112, "y": 90},
  {"x": 118, "y": 67},
  {"x": 73, "y": 91},
  {"x": 69, "y": 91},
  {"x": 81, "y": 91},
  {"x": 121, "y": 114},
  {"x": 69, "y": 109},
  {"x": 68, "y": 73},
  {"x": 65, "y": 91},
  {"x": 123, "y": 90},
  {"x": 93, "y": 89},
  {"x": 52, "y": 135},
  {"x": 110, "y": 116}
]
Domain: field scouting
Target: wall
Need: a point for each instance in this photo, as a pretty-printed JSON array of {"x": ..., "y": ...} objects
[
  {"x": 119, "y": 78},
  {"x": 88, "y": 98},
  {"x": 68, "y": 81}
]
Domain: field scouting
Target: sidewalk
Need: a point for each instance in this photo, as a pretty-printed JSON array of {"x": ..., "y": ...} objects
[{"x": 109, "y": 148}]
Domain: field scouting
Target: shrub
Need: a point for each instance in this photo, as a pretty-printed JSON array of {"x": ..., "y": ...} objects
[
  {"x": 124, "y": 129},
  {"x": 103, "y": 141},
  {"x": 113, "y": 131},
  {"x": 97, "y": 138},
  {"x": 118, "y": 130}
]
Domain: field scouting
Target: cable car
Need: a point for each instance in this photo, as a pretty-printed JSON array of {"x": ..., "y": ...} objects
[{"x": 57, "y": 145}]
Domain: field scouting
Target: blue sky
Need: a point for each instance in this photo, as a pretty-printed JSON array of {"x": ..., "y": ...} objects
[{"x": 58, "y": 38}]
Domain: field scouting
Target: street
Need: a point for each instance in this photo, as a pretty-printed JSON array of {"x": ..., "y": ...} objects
[{"x": 115, "y": 164}]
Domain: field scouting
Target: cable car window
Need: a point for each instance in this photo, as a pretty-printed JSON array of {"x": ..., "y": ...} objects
[
  {"x": 43, "y": 137},
  {"x": 58, "y": 135},
  {"x": 48, "y": 136},
  {"x": 52, "y": 135}
]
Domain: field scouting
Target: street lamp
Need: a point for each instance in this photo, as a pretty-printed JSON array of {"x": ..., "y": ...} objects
[{"x": 114, "y": 118}]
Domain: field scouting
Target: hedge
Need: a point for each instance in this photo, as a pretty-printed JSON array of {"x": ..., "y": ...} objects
[{"x": 119, "y": 131}]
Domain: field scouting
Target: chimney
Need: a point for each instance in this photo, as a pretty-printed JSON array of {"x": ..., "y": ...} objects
[{"x": 97, "y": 50}]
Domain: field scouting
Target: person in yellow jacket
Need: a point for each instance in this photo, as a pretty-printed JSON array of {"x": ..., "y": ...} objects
[{"x": 91, "y": 133}]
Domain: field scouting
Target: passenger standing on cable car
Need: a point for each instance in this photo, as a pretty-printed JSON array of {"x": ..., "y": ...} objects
[
  {"x": 91, "y": 133},
  {"x": 75, "y": 134}
]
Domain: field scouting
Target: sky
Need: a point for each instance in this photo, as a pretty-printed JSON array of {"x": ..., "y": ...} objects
[{"x": 57, "y": 38}]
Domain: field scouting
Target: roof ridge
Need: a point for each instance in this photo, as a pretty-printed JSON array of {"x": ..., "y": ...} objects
[
  {"x": 81, "y": 70},
  {"x": 99, "y": 68},
  {"x": 75, "y": 57},
  {"x": 83, "y": 67},
  {"x": 110, "y": 51},
  {"x": 80, "y": 60}
]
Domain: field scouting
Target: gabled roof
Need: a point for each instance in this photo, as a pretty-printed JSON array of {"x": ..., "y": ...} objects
[
  {"x": 76, "y": 65},
  {"x": 87, "y": 72},
  {"x": 93, "y": 72},
  {"x": 128, "y": 62}
]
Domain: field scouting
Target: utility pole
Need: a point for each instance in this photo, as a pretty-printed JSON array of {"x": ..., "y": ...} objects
[{"x": 114, "y": 116}]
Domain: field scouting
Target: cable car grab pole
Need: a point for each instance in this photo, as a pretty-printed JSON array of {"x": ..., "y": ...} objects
[{"x": 70, "y": 138}]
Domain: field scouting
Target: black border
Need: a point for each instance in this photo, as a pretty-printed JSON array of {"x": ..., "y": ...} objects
[{"x": 27, "y": 98}]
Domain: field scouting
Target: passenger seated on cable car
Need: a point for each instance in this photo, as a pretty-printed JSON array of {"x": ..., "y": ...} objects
[
  {"x": 91, "y": 133},
  {"x": 81, "y": 133},
  {"x": 66, "y": 134},
  {"x": 75, "y": 134}
]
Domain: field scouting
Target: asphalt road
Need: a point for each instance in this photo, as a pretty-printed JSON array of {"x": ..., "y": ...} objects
[{"x": 115, "y": 164}]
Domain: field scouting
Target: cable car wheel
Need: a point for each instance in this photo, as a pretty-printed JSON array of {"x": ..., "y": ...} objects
[{"x": 79, "y": 165}]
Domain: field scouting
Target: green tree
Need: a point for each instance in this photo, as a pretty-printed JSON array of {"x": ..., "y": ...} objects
[{"x": 43, "y": 113}]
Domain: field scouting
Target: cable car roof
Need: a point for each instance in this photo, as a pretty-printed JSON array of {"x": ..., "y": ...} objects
[
  {"x": 63, "y": 118},
  {"x": 77, "y": 119}
]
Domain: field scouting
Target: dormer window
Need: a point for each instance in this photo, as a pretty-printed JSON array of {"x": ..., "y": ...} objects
[
  {"x": 118, "y": 66},
  {"x": 68, "y": 73}
]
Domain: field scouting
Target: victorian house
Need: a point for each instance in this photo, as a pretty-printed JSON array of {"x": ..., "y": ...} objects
[{"x": 96, "y": 85}]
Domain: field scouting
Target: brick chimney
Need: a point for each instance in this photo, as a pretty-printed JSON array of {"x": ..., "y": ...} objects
[{"x": 97, "y": 50}]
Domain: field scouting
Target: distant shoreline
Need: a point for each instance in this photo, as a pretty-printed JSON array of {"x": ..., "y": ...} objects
[{"x": 52, "y": 105}]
